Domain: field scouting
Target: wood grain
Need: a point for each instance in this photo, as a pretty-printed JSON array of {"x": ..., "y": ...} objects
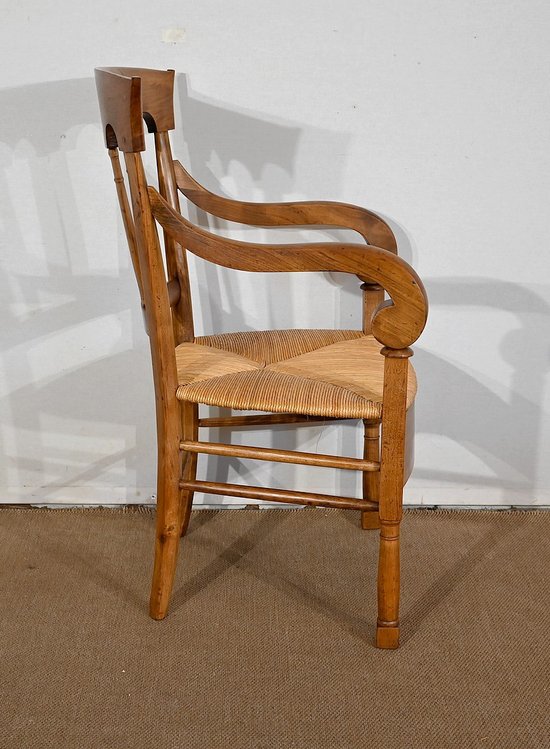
[
  {"x": 127, "y": 218},
  {"x": 236, "y": 422},
  {"x": 126, "y": 96},
  {"x": 372, "y": 227},
  {"x": 392, "y": 467},
  {"x": 274, "y": 495},
  {"x": 190, "y": 430},
  {"x": 176, "y": 257},
  {"x": 280, "y": 456},
  {"x": 397, "y": 323},
  {"x": 373, "y": 296},
  {"x": 371, "y": 481},
  {"x": 161, "y": 337}
]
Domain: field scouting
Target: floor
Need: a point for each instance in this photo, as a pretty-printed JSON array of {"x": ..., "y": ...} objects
[{"x": 269, "y": 640}]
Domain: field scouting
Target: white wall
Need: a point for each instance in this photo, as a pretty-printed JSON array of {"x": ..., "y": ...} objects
[{"x": 432, "y": 113}]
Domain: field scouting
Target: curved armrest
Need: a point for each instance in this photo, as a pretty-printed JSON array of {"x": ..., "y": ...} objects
[
  {"x": 372, "y": 228},
  {"x": 396, "y": 323}
]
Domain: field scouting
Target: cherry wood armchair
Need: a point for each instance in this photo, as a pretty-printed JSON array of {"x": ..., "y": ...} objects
[{"x": 291, "y": 376}]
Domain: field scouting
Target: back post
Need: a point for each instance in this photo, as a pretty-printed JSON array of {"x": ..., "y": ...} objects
[
  {"x": 125, "y": 101},
  {"x": 128, "y": 97},
  {"x": 176, "y": 255},
  {"x": 127, "y": 217},
  {"x": 373, "y": 296},
  {"x": 168, "y": 410}
]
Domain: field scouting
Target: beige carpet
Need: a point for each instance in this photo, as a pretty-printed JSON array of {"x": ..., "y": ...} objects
[{"x": 269, "y": 642}]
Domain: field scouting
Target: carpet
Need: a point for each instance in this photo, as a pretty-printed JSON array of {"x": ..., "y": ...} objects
[{"x": 269, "y": 639}]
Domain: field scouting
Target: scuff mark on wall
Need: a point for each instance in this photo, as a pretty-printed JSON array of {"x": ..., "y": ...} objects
[{"x": 173, "y": 36}]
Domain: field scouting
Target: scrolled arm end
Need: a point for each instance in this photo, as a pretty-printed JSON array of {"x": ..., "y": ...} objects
[{"x": 398, "y": 326}]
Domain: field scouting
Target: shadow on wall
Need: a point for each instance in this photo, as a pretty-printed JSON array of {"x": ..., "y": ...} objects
[
  {"x": 262, "y": 156},
  {"x": 78, "y": 401},
  {"x": 504, "y": 432},
  {"x": 264, "y": 161},
  {"x": 65, "y": 315}
]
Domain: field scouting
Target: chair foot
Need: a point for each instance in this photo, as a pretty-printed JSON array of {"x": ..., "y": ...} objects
[
  {"x": 387, "y": 638},
  {"x": 370, "y": 520},
  {"x": 166, "y": 555},
  {"x": 387, "y": 632},
  {"x": 157, "y": 615}
]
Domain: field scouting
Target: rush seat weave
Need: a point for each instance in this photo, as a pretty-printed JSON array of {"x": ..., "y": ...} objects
[{"x": 332, "y": 373}]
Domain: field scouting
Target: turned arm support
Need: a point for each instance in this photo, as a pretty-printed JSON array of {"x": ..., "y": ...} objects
[
  {"x": 396, "y": 323},
  {"x": 372, "y": 228}
]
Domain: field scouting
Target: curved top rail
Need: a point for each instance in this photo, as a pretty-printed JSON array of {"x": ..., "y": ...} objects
[{"x": 127, "y": 96}]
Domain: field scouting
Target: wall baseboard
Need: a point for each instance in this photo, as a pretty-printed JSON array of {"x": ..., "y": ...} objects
[{"x": 433, "y": 496}]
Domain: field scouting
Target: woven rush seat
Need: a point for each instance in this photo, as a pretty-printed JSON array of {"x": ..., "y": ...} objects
[{"x": 332, "y": 373}]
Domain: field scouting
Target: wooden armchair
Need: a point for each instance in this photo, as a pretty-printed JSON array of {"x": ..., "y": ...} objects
[{"x": 294, "y": 376}]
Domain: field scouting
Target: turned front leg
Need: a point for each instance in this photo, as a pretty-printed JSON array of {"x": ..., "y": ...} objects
[
  {"x": 387, "y": 629},
  {"x": 392, "y": 462}
]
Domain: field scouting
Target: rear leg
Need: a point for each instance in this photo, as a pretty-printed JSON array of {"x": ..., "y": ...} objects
[
  {"x": 190, "y": 423},
  {"x": 370, "y": 519},
  {"x": 168, "y": 527}
]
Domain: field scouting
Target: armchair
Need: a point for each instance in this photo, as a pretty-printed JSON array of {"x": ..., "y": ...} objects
[{"x": 291, "y": 376}]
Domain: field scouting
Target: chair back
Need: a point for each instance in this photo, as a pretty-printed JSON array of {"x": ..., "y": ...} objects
[{"x": 128, "y": 97}]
